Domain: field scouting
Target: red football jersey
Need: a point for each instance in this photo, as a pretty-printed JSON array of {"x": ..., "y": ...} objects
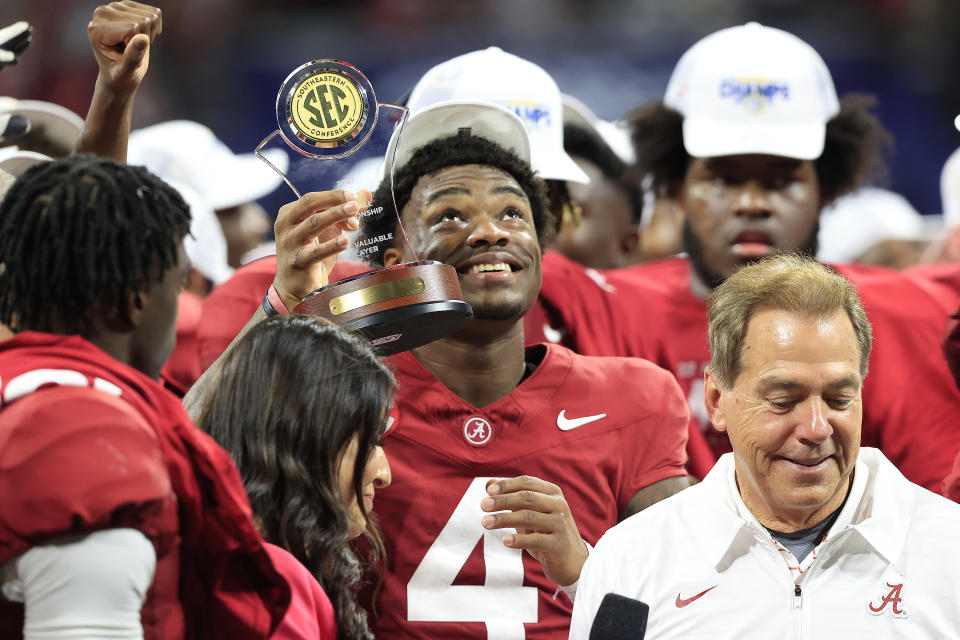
[
  {"x": 940, "y": 279},
  {"x": 951, "y": 345},
  {"x": 229, "y": 306},
  {"x": 599, "y": 428},
  {"x": 911, "y": 409},
  {"x": 601, "y": 313},
  {"x": 90, "y": 443}
]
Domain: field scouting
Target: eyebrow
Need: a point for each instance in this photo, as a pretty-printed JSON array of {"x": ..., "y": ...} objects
[
  {"x": 785, "y": 163},
  {"x": 462, "y": 191},
  {"x": 509, "y": 189},
  {"x": 725, "y": 162},
  {"x": 777, "y": 382},
  {"x": 448, "y": 191}
]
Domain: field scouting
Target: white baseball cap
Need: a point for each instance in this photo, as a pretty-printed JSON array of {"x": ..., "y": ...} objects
[
  {"x": 205, "y": 245},
  {"x": 493, "y": 75},
  {"x": 859, "y": 220},
  {"x": 189, "y": 153},
  {"x": 458, "y": 117},
  {"x": 950, "y": 190},
  {"x": 613, "y": 134},
  {"x": 53, "y": 129},
  {"x": 15, "y": 161},
  {"x": 752, "y": 89},
  {"x": 6, "y": 181}
]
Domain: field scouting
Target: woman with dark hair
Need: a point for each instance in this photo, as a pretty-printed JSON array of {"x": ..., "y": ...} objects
[{"x": 301, "y": 406}]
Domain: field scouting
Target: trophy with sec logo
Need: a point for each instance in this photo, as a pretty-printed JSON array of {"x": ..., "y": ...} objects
[{"x": 335, "y": 135}]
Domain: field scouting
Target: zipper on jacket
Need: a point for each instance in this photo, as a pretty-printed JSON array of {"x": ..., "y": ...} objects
[{"x": 797, "y": 604}]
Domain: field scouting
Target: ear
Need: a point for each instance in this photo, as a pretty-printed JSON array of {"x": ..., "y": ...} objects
[
  {"x": 675, "y": 192},
  {"x": 712, "y": 396},
  {"x": 629, "y": 247},
  {"x": 136, "y": 307},
  {"x": 391, "y": 257}
]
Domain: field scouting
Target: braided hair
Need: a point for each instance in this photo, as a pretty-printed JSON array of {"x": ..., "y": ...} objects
[{"x": 77, "y": 236}]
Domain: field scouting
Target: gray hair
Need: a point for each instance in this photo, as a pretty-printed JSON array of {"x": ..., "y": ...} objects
[{"x": 789, "y": 282}]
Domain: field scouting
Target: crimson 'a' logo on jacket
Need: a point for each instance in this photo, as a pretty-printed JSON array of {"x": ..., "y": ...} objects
[{"x": 893, "y": 599}]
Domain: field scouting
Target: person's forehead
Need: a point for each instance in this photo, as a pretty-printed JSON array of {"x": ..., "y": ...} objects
[
  {"x": 753, "y": 161},
  {"x": 777, "y": 339},
  {"x": 466, "y": 180}
]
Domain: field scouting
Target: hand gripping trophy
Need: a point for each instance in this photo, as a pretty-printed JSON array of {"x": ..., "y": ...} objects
[{"x": 335, "y": 135}]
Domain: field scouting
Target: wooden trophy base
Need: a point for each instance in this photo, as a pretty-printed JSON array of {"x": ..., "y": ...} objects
[{"x": 395, "y": 308}]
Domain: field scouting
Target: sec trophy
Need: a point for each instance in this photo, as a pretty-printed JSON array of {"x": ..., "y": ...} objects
[{"x": 337, "y": 136}]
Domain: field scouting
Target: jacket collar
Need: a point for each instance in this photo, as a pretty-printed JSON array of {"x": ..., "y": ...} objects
[{"x": 878, "y": 510}]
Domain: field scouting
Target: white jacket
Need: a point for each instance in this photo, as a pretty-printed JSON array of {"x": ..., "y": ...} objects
[{"x": 888, "y": 568}]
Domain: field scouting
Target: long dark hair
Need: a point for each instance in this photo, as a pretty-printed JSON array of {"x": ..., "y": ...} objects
[{"x": 293, "y": 393}]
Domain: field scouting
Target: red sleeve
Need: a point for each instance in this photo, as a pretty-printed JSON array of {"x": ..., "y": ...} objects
[
  {"x": 940, "y": 280},
  {"x": 663, "y": 455},
  {"x": 229, "y": 306},
  {"x": 74, "y": 460},
  {"x": 951, "y": 484},
  {"x": 951, "y": 346}
]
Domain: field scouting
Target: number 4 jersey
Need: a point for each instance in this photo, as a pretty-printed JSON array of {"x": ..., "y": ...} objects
[{"x": 599, "y": 428}]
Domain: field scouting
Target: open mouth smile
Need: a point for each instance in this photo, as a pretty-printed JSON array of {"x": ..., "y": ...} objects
[
  {"x": 753, "y": 244},
  {"x": 490, "y": 266}
]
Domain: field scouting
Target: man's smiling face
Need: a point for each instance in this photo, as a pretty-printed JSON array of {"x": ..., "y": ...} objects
[
  {"x": 793, "y": 415},
  {"x": 477, "y": 219}
]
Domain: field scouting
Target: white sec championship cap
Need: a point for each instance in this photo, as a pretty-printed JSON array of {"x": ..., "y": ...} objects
[
  {"x": 460, "y": 117},
  {"x": 950, "y": 190},
  {"x": 493, "y": 75},
  {"x": 752, "y": 89}
]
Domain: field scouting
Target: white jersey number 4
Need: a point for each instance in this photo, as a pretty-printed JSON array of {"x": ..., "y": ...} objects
[{"x": 502, "y": 603}]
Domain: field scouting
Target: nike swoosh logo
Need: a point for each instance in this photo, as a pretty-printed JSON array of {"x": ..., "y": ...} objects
[
  {"x": 681, "y": 602},
  {"x": 566, "y": 424}
]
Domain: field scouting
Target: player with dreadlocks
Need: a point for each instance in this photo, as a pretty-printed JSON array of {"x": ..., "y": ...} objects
[{"x": 144, "y": 517}]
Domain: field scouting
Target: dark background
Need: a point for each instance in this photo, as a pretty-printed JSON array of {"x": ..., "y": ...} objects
[{"x": 221, "y": 62}]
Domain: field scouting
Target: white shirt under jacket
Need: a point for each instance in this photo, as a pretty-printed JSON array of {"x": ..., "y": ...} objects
[{"x": 888, "y": 568}]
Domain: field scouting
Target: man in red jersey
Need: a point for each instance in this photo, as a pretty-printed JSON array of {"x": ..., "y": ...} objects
[
  {"x": 144, "y": 517},
  {"x": 951, "y": 349},
  {"x": 598, "y": 438},
  {"x": 753, "y": 147}
]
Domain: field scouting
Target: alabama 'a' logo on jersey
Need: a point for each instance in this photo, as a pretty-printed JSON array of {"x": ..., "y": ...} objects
[{"x": 477, "y": 431}]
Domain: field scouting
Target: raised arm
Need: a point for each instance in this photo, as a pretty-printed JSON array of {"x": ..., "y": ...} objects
[
  {"x": 309, "y": 236},
  {"x": 121, "y": 34}
]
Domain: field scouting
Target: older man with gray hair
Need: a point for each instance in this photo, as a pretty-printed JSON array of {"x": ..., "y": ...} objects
[{"x": 799, "y": 532}]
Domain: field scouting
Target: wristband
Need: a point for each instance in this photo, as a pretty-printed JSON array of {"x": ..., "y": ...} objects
[{"x": 272, "y": 303}]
